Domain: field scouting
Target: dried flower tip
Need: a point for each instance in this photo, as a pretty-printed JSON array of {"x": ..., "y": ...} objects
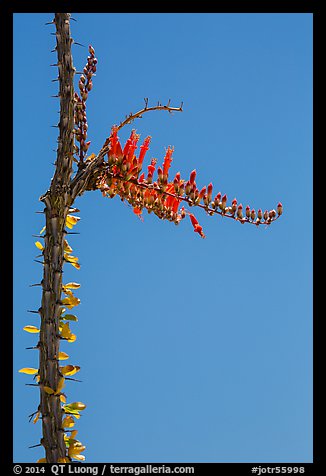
[
  {"x": 260, "y": 214},
  {"x": 279, "y": 208},
  {"x": 247, "y": 211},
  {"x": 91, "y": 50},
  {"x": 253, "y": 214},
  {"x": 272, "y": 214},
  {"x": 265, "y": 214}
]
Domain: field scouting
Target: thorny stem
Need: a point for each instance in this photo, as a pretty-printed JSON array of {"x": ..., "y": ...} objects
[{"x": 129, "y": 119}]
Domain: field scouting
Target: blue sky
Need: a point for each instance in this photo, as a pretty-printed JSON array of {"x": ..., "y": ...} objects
[{"x": 190, "y": 350}]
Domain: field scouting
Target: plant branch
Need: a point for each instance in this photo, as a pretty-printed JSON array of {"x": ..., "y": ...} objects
[
  {"x": 191, "y": 203},
  {"x": 129, "y": 119}
]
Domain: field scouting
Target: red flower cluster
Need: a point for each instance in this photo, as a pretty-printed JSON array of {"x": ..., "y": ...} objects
[{"x": 123, "y": 176}]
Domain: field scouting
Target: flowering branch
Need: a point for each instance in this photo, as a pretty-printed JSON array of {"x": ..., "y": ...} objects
[
  {"x": 120, "y": 175},
  {"x": 262, "y": 219}
]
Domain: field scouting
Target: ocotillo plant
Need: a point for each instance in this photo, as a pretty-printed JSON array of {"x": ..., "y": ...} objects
[{"x": 115, "y": 170}]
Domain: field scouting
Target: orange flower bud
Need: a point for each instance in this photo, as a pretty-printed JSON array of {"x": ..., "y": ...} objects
[
  {"x": 222, "y": 204},
  {"x": 247, "y": 211},
  {"x": 265, "y": 214},
  {"x": 202, "y": 193},
  {"x": 188, "y": 188},
  {"x": 239, "y": 211},
  {"x": 260, "y": 214},
  {"x": 279, "y": 208},
  {"x": 193, "y": 176},
  {"x": 234, "y": 205},
  {"x": 217, "y": 199},
  {"x": 209, "y": 192},
  {"x": 253, "y": 214}
]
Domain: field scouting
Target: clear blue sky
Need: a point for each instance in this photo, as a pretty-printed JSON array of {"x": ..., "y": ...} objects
[{"x": 190, "y": 350}]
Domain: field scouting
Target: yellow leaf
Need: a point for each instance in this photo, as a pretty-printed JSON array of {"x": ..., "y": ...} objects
[
  {"x": 37, "y": 378},
  {"x": 28, "y": 371},
  {"x": 31, "y": 329},
  {"x": 73, "y": 434},
  {"x": 71, "y": 301},
  {"x": 36, "y": 417},
  {"x": 76, "y": 406},
  {"x": 76, "y": 265},
  {"x": 79, "y": 457},
  {"x": 63, "y": 356},
  {"x": 63, "y": 398},
  {"x": 43, "y": 229},
  {"x": 71, "y": 286},
  {"x": 76, "y": 449},
  {"x": 71, "y": 221},
  {"x": 48, "y": 390},
  {"x": 71, "y": 259},
  {"x": 63, "y": 460},
  {"x": 72, "y": 338},
  {"x": 39, "y": 245},
  {"x": 68, "y": 422},
  {"x": 67, "y": 248},
  {"x": 61, "y": 384},
  {"x": 69, "y": 369},
  {"x": 66, "y": 332},
  {"x": 41, "y": 460}
]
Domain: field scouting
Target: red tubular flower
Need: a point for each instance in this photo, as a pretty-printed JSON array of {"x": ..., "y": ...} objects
[
  {"x": 151, "y": 169},
  {"x": 114, "y": 141},
  {"x": 195, "y": 224},
  {"x": 143, "y": 149},
  {"x": 167, "y": 161},
  {"x": 175, "y": 205},
  {"x": 133, "y": 146}
]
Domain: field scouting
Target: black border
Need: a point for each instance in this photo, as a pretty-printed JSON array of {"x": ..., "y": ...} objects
[{"x": 7, "y": 9}]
